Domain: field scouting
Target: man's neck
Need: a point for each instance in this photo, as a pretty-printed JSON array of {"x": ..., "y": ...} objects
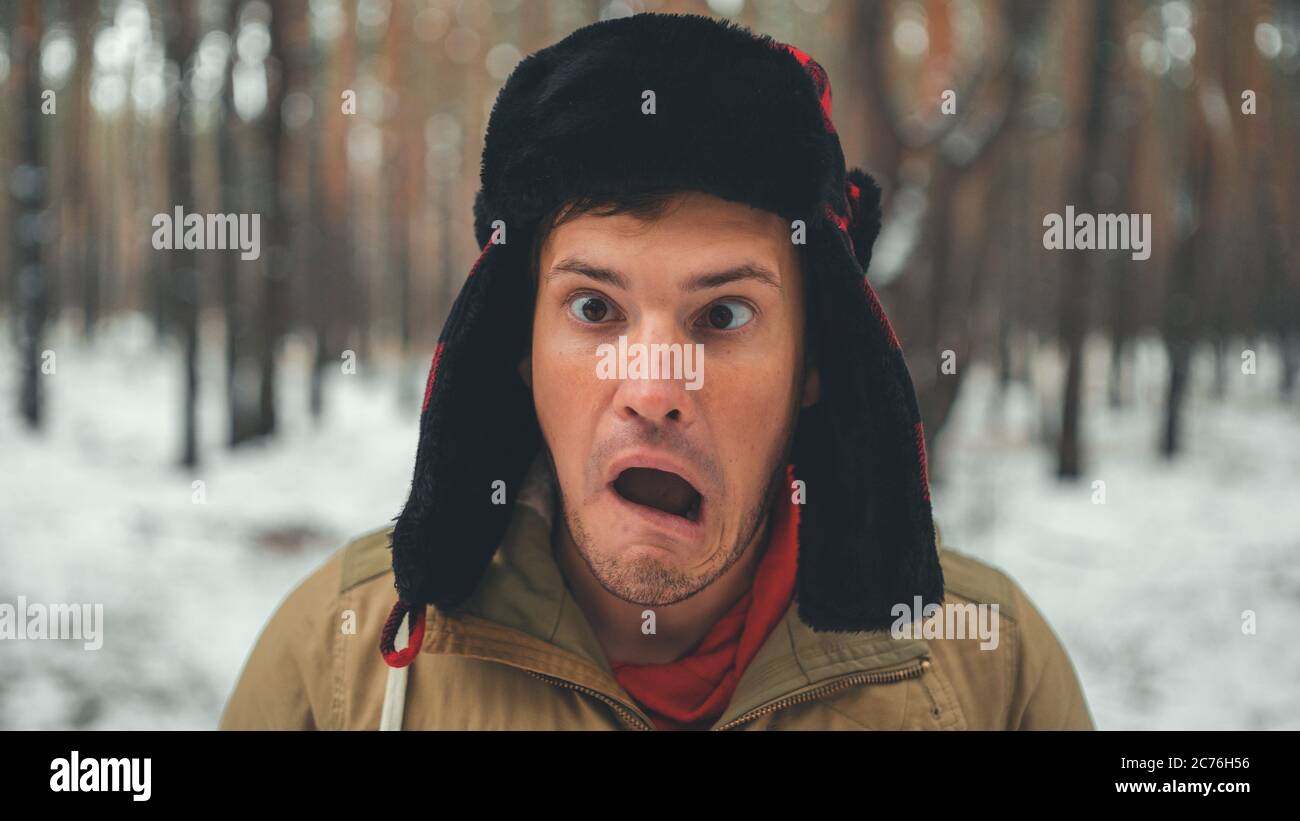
[{"x": 678, "y": 627}]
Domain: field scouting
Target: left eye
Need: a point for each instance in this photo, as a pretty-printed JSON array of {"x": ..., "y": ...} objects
[{"x": 728, "y": 315}]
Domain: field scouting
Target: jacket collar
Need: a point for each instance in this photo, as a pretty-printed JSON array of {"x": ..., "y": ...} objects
[{"x": 523, "y": 614}]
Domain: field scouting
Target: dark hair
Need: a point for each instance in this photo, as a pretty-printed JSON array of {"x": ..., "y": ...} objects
[{"x": 645, "y": 204}]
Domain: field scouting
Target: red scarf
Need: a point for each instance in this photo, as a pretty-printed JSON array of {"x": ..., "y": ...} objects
[{"x": 691, "y": 692}]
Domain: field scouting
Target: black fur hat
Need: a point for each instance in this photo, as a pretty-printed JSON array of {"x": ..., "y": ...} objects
[{"x": 747, "y": 119}]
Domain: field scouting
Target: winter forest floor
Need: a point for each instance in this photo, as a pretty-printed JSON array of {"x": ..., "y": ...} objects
[{"x": 1146, "y": 590}]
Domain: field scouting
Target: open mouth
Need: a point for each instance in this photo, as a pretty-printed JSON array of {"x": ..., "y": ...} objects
[{"x": 661, "y": 490}]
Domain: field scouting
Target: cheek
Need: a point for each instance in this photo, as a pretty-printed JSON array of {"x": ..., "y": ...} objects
[
  {"x": 565, "y": 387},
  {"x": 748, "y": 402}
]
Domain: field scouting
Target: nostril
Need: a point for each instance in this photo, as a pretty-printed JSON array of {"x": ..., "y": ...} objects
[{"x": 674, "y": 415}]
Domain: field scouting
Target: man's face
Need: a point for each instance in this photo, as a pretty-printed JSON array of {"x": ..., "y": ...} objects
[{"x": 664, "y": 486}]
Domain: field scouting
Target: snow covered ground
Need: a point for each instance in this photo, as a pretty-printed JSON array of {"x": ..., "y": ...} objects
[
  {"x": 1147, "y": 590},
  {"x": 95, "y": 509}
]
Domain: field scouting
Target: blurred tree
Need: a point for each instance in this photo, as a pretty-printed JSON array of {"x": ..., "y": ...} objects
[
  {"x": 933, "y": 312},
  {"x": 283, "y": 76},
  {"x": 1201, "y": 194},
  {"x": 1273, "y": 149},
  {"x": 83, "y": 232},
  {"x": 1121, "y": 278},
  {"x": 240, "y": 408},
  {"x": 334, "y": 309},
  {"x": 180, "y": 41},
  {"x": 1077, "y": 274},
  {"x": 29, "y": 188},
  {"x": 402, "y": 157}
]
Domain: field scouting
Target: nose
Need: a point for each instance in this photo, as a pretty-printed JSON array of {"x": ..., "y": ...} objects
[
  {"x": 652, "y": 400},
  {"x": 657, "y": 395}
]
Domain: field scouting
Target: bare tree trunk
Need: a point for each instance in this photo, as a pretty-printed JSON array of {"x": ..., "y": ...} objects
[
  {"x": 1184, "y": 318},
  {"x": 334, "y": 307},
  {"x": 29, "y": 187},
  {"x": 1284, "y": 303},
  {"x": 239, "y": 403},
  {"x": 321, "y": 289},
  {"x": 400, "y": 174},
  {"x": 283, "y": 64},
  {"x": 1180, "y": 309},
  {"x": 1220, "y": 347},
  {"x": 80, "y": 184},
  {"x": 1074, "y": 291},
  {"x": 1121, "y": 285},
  {"x": 184, "y": 278}
]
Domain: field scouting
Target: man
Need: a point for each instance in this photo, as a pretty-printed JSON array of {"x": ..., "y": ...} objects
[{"x": 670, "y": 472}]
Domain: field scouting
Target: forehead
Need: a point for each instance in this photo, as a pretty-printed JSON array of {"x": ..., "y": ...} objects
[{"x": 695, "y": 232}]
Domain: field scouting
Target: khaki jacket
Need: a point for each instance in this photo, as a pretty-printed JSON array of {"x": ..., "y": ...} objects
[{"x": 521, "y": 655}]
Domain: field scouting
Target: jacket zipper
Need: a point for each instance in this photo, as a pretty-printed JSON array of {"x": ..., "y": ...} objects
[
  {"x": 624, "y": 714},
  {"x": 888, "y": 677}
]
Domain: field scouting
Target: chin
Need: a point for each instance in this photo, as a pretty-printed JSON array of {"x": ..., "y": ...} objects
[
  {"x": 647, "y": 580},
  {"x": 647, "y": 569}
]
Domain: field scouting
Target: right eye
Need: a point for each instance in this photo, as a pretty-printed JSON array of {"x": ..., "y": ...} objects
[{"x": 591, "y": 309}]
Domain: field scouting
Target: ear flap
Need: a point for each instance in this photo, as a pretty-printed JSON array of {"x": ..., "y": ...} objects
[
  {"x": 477, "y": 428},
  {"x": 866, "y": 535}
]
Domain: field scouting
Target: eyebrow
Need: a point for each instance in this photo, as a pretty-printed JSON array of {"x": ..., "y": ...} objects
[{"x": 701, "y": 282}]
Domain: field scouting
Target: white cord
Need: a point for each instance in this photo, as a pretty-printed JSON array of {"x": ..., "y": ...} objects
[{"x": 395, "y": 689}]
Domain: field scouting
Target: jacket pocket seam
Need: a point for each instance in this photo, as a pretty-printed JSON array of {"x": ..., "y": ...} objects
[
  {"x": 943, "y": 700},
  {"x": 1013, "y": 673},
  {"x": 338, "y": 658},
  {"x": 847, "y": 717}
]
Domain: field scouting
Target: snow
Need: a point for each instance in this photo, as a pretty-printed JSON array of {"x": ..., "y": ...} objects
[
  {"x": 96, "y": 509},
  {"x": 1146, "y": 590}
]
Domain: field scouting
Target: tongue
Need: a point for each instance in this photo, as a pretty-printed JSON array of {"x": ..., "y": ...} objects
[{"x": 658, "y": 489}]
